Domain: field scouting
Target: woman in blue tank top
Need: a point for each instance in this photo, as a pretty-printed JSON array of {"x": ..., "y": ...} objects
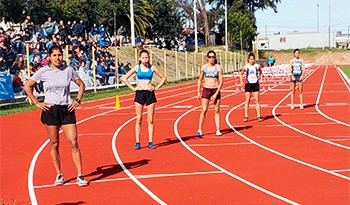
[
  {"x": 296, "y": 72},
  {"x": 144, "y": 94}
]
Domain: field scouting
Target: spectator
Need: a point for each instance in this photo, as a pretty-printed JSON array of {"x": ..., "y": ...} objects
[
  {"x": 18, "y": 83},
  {"x": 49, "y": 26},
  {"x": 4, "y": 24}
]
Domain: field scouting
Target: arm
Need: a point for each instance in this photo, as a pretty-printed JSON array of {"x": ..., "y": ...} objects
[
  {"x": 260, "y": 77},
  {"x": 29, "y": 91},
  {"x": 242, "y": 73},
  {"x": 302, "y": 69},
  {"x": 221, "y": 82},
  {"x": 161, "y": 75},
  {"x": 290, "y": 70},
  {"x": 127, "y": 76},
  {"x": 80, "y": 95},
  {"x": 200, "y": 79}
]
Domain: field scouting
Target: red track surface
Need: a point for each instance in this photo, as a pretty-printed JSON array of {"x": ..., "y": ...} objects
[{"x": 293, "y": 156}]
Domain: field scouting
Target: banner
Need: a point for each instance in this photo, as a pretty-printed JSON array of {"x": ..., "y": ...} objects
[{"x": 6, "y": 90}]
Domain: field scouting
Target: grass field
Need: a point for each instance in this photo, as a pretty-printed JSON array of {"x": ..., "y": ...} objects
[{"x": 346, "y": 70}]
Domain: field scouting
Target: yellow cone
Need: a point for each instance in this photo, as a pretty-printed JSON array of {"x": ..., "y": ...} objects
[{"x": 117, "y": 102}]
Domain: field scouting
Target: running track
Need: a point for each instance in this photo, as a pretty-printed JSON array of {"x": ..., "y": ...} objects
[{"x": 292, "y": 157}]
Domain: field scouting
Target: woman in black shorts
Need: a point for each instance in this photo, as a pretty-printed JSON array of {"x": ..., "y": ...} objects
[
  {"x": 211, "y": 74},
  {"x": 144, "y": 95},
  {"x": 252, "y": 73},
  {"x": 58, "y": 108},
  {"x": 296, "y": 71}
]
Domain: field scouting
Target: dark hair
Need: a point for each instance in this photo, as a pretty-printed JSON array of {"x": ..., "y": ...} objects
[
  {"x": 250, "y": 55},
  {"x": 211, "y": 51},
  {"x": 55, "y": 47},
  {"x": 295, "y": 50},
  {"x": 143, "y": 51}
]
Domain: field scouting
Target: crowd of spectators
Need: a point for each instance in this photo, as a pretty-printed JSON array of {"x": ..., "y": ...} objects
[{"x": 75, "y": 35}]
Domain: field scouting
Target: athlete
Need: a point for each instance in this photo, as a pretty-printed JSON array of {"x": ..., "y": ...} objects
[
  {"x": 296, "y": 71},
  {"x": 211, "y": 74},
  {"x": 252, "y": 73},
  {"x": 144, "y": 95}
]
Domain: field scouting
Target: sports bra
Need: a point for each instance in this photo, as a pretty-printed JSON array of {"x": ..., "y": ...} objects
[
  {"x": 297, "y": 67},
  {"x": 211, "y": 73},
  {"x": 252, "y": 73},
  {"x": 144, "y": 75}
]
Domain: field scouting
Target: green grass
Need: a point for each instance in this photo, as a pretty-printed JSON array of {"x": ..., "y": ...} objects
[
  {"x": 346, "y": 70},
  {"x": 88, "y": 96}
]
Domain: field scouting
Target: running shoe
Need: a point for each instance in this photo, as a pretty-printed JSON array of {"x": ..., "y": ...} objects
[
  {"x": 137, "y": 146},
  {"x": 151, "y": 145},
  {"x": 245, "y": 119},
  {"x": 199, "y": 133},
  {"x": 59, "y": 180},
  {"x": 301, "y": 107},
  {"x": 81, "y": 181},
  {"x": 218, "y": 133},
  {"x": 259, "y": 119},
  {"x": 292, "y": 107}
]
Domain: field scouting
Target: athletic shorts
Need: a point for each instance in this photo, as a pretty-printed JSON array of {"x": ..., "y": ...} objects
[
  {"x": 58, "y": 115},
  {"x": 208, "y": 92},
  {"x": 297, "y": 79},
  {"x": 252, "y": 87},
  {"x": 145, "y": 97}
]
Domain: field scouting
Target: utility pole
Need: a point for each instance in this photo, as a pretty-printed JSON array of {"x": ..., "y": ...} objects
[
  {"x": 195, "y": 26},
  {"x": 318, "y": 25},
  {"x": 329, "y": 26},
  {"x": 226, "y": 39},
  {"x": 132, "y": 23}
]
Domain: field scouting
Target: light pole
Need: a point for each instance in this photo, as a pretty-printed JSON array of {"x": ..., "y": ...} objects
[
  {"x": 226, "y": 43},
  {"x": 195, "y": 26},
  {"x": 115, "y": 24},
  {"x": 318, "y": 25},
  {"x": 132, "y": 26}
]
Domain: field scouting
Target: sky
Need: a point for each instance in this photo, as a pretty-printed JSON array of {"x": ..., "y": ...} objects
[{"x": 301, "y": 15}]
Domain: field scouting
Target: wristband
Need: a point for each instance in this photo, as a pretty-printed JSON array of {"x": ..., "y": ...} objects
[{"x": 78, "y": 100}]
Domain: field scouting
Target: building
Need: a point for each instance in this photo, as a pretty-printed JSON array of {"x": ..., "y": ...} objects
[{"x": 294, "y": 40}]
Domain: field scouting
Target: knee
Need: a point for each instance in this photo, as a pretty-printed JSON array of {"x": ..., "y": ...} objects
[
  {"x": 150, "y": 121},
  {"x": 216, "y": 110},
  {"x": 55, "y": 145},
  {"x": 204, "y": 111},
  {"x": 74, "y": 144},
  {"x": 138, "y": 119}
]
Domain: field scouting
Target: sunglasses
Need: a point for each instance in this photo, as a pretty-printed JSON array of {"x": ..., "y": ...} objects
[{"x": 211, "y": 57}]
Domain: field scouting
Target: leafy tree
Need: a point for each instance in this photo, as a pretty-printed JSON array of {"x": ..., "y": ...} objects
[
  {"x": 241, "y": 27},
  {"x": 12, "y": 10},
  {"x": 168, "y": 22}
]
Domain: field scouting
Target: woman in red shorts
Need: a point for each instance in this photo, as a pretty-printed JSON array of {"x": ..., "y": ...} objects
[{"x": 211, "y": 74}]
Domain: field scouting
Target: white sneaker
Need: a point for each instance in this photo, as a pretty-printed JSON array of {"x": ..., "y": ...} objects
[
  {"x": 59, "y": 180},
  {"x": 218, "y": 133},
  {"x": 301, "y": 107},
  {"x": 292, "y": 107},
  {"x": 81, "y": 181},
  {"x": 199, "y": 133}
]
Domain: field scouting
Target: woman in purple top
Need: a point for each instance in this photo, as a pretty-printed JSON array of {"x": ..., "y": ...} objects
[{"x": 58, "y": 108}]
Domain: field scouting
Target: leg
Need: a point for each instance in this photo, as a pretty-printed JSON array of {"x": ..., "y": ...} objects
[
  {"x": 70, "y": 130},
  {"x": 52, "y": 130},
  {"x": 257, "y": 103},
  {"x": 150, "y": 120},
  {"x": 300, "y": 88},
  {"x": 292, "y": 91},
  {"x": 217, "y": 114},
  {"x": 204, "y": 110},
  {"x": 246, "y": 104},
  {"x": 138, "y": 110}
]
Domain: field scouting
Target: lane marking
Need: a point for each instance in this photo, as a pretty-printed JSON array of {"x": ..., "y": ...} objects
[
  {"x": 145, "y": 176},
  {"x": 305, "y": 124},
  {"x": 219, "y": 144},
  {"x": 318, "y": 101},
  {"x": 222, "y": 169},
  {"x": 336, "y": 104},
  {"x": 342, "y": 170},
  {"x": 278, "y": 136}
]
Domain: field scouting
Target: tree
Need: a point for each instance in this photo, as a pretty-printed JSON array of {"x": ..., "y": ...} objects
[
  {"x": 241, "y": 27},
  {"x": 168, "y": 22}
]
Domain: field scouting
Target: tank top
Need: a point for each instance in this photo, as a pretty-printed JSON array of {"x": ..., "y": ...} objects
[
  {"x": 144, "y": 75},
  {"x": 211, "y": 73},
  {"x": 252, "y": 73},
  {"x": 297, "y": 67}
]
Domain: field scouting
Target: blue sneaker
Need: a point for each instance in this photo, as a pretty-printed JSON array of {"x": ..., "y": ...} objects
[
  {"x": 137, "y": 146},
  {"x": 151, "y": 145},
  {"x": 199, "y": 133}
]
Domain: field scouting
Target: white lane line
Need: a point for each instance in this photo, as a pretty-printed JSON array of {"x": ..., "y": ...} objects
[
  {"x": 146, "y": 176},
  {"x": 31, "y": 191},
  {"x": 341, "y": 170},
  {"x": 277, "y": 137},
  {"x": 336, "y": 104},
  {"x": 222, "y": 169},
  {"x": 304, "y": 124},
  {"x": 120, "y": 162},
  {"x": 220, "y": 144},
  {"x": 318, "y": 101}
]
